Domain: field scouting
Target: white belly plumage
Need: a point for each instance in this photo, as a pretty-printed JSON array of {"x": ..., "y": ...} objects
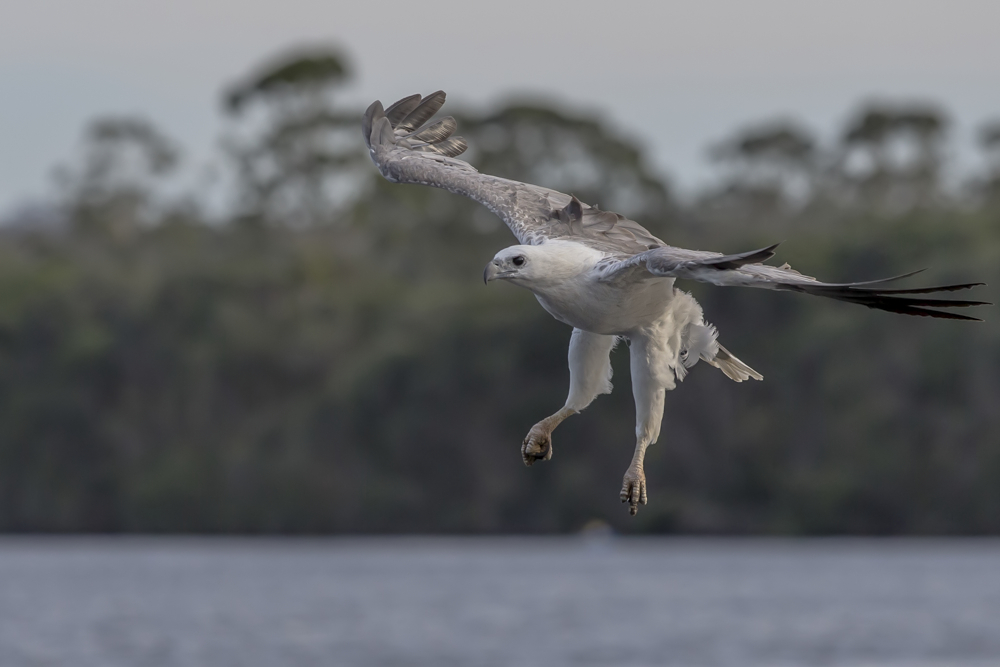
[{"x": 608, "y": 309}]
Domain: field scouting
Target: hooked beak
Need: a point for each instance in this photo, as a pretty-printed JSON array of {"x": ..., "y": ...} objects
[{"x": 491, "y": 272}]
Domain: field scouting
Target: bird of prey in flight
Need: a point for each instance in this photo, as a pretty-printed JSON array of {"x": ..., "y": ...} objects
[{"x": 607, "y": 277}]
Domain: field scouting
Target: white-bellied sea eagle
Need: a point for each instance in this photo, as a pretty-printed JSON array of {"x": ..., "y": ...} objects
[{"x": 607, "y": 277}]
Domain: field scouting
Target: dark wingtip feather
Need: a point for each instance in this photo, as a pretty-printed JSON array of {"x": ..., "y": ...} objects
[
  {"x": 875, "y": 299},
  {"x": 422, "y": 112},
  {"x": 893, "y": 301},
  {"x": 436, "y": 132},
  {"x": 880, "y": 281},
  {"x": 939, "y": 314},
  {"x": 925, "y": 290},
  {"x": 382, "y": 131},
  {"x": 452, "y": 147},
  {"x": 399, "y": 109},
  {"x": 373, "y": 112},
  {"x": 920, "y": 309},
  {"x": 730, "y": 262}
]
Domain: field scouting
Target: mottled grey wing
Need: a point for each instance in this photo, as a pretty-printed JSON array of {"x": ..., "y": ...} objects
[
  {"x": 746, "y": 270},
  {"x": 407, "y": 148}
]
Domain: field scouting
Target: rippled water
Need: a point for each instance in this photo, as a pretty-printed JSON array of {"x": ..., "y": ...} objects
[{"x": 519, "y": 602}]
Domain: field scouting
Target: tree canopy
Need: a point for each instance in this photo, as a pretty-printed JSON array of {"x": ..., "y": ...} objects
[{"x": 323, "y": 357}]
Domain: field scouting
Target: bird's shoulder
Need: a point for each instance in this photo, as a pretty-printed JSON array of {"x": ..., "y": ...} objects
[{"x": 571, "y": 219}]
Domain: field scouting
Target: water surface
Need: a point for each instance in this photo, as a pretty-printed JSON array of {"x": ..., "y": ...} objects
[{"x": 108, "y": 602}]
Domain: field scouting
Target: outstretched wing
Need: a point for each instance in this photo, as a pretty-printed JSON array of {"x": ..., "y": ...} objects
[
  {"x": 746, "y": 270},
  {"x": 406, "y": 148}
]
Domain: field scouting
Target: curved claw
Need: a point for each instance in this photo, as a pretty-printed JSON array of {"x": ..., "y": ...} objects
[
  {"x": 634, "y": 490},
  {"x": 537, "y": 446}
]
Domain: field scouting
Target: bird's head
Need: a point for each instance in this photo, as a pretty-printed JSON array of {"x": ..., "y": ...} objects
[
  {"x": 537, "y": 266},
  {"x": 514, "y": 264}
]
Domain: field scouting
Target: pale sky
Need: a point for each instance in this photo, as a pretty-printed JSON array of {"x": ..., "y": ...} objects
[{"x": 678, "y": 74}]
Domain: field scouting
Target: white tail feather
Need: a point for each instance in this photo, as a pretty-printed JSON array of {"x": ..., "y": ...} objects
[{"x": 734, "y": 369}]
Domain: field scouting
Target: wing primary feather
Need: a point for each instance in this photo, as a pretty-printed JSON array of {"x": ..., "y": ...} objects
[
  {"x": 729, "y": 262},
  {"x": 449, "y": 147},
  {"x": 367, "y": 121},
  {"x": 870, "y": 299},
  {"x": 422, "y": 112},
  {"x": 382, "y": 131},
  {"x": 890, "y": 300},
  {"x": 880, "y": 281},
  {"x": 436, "y": 132},
  {"x": 920, "y": 290},
  {"x": 398, "y": 110}
]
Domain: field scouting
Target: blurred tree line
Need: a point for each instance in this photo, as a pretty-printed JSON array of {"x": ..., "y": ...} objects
[{"x": 322, "y": 356}]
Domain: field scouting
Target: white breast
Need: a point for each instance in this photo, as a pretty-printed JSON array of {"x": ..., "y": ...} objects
[{"x": 602, "y": 308}]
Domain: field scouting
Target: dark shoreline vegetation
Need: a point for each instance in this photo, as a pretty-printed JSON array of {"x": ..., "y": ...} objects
[{"x": 317, "y": 354}]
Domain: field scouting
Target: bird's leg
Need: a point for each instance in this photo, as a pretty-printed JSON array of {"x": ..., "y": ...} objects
[
  {"x": 589, "y": 375},
  {"x": 538, "y": 443},
  {"x": 651, "y": 378}
]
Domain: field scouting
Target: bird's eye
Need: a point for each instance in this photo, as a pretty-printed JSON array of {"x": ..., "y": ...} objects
[
  {"x": 684, "y": 354},
  {"x": 518, "y": 261}
]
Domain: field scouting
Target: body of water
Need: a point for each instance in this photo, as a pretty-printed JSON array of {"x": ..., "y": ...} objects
[{"x": 522, "y": 602}]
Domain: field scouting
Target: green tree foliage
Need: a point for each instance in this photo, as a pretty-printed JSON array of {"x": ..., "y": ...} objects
[
  {"x": 288, "y": 77},
  {"x": 297, "y": 160},
  {"x": 989, "y": 141},
  {"x": 575, "y": 154},
  {"x": 111, "y": 189},
  {"x": 318, "y": 363},
  {"x": 892, "y": 155},
  {"x": 770, "y": 168}
]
